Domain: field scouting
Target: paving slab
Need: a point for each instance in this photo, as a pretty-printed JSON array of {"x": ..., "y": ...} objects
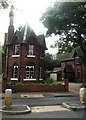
[
  {"x": 39, "y": 109},
  {"x": 31, "y": 95}
]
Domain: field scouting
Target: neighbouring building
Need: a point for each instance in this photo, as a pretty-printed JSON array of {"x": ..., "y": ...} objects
[
  {"x": 25, "y": 54},
  {"x": 71, "y": 66},
  {"x": 56, "y": 74}
]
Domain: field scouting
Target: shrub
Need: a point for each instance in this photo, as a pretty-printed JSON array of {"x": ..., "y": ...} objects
[
  {"x": 48, "y": 81},
  {"x": 57, "y": 83},
  {"x": 4, "y": 78},
  {"x": 39, "y": 84}
]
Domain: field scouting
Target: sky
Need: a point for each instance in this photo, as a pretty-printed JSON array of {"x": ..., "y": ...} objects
[{"x": 28, "y": 11}]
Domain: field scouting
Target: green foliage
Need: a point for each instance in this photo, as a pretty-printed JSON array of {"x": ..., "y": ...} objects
[
  {"x": 48, "y": 61},
  {"x": 4, "y": 4},
  {"x": 4, "y": 78},
  {"x": 48, "y": 81},
  {"x": 47, "y": 74},
  {"x": 68, "y": 20},
  {"x": 39, "y": 84},
  {"x": 57, "y": 83},
  {"x": 51, "y": 62}
]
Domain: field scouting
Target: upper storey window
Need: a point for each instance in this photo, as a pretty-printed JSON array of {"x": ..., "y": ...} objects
[
  {"x": 31, "y": 49},
  {"x": 17, "y": 49}
]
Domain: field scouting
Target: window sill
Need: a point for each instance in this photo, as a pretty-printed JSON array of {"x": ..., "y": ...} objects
[
  {"x": 31, "y": 56},
  {"x": 27, "y": 79},
  {"x": 40, "y": 79},
  {"x": 14, "y": 78},
  {"x": 15, "y": 55}
]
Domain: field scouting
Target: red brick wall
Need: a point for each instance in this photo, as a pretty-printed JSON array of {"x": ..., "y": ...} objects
[
  {"x": 76, "y": 67},
  {"x": 63, "y": 65},
  {"x": 23, "y": 60},
  {"x": 32, "y": 88},
  {"x": 47, "y": 88}
]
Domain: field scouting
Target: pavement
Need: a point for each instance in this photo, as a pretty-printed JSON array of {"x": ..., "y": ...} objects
[
  {"x": 40, "y": 94},
  {"x": 36, "y": 109},
  {"x": 73, "y": 91}
]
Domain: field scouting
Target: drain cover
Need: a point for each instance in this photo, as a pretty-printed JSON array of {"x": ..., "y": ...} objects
[{"x": 31, "y": 95}]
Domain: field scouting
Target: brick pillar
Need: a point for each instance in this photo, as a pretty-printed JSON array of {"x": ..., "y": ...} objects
[{"x": 66, "y": 82}]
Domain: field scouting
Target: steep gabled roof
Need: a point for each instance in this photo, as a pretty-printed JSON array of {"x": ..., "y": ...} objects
[
  {"x": 17, "y": 38},
  {"x": 41, "y": 40},
  {"x": 70, "y": 56},
  {"x": 67, "y": 56},
  {"x": 19, "y": 35},
  {"x": 23, "y": 35},
  {"x": 58, "y": 69}
]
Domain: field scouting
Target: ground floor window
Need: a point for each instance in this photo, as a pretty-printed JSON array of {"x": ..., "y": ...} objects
[
  {"x": 40, "y": 75},
  {"x": 29, "y": 71},
  {"x": 15, "y": 71}
]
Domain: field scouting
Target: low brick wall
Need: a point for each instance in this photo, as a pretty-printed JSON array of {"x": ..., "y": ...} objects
[
  {"x": 40, "y": 88},
  {"x": 46, "y": 88}
]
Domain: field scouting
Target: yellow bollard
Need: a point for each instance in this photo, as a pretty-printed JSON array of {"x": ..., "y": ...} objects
[
  {"x": 8, "y": 98},
  {"x": 82, "y": 93}
]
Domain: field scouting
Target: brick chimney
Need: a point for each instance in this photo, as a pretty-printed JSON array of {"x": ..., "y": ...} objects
[{"x": 11, "y": 27}]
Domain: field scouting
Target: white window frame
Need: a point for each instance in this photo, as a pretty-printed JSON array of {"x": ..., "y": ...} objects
[
  {"x": 29, "y": 73},
  {"x": 31, "y": 50},
  {"x": 40, "y": 74},
  {"x": 15, "y": 73},
  {"x": 17, "y": 49}
]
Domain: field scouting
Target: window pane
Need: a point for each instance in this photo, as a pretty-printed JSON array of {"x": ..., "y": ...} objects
[
  {"x": 29, "y": 71},
  {"x": 32, "y": 68},
  {"x": 30, "y": 52},
  {"x": 15, "y": 71},
  {"x": 31, "y": 47},
  {"x": 17, "y": 48}
]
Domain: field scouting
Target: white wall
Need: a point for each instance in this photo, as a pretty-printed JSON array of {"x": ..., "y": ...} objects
[{"x": 53, "y": 76}]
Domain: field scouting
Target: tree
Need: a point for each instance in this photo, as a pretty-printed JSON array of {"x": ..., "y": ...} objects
[
  {"x": 4, "y": 4},
  {"x": 51, "y": 62},
  {"x": 68, "y": 19}
]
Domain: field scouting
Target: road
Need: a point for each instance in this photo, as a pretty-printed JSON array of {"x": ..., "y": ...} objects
[
  {"x": 44, "y": 101},
  {"x": 48, "y": 101},
  {"x": 77, "y": 114}
]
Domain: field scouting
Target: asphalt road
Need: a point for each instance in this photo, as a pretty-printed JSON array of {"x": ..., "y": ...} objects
[
  {"x": 44, "y": 101},
  {"x": 79, "y": 114},
  {"x": 59, "y": 114}
]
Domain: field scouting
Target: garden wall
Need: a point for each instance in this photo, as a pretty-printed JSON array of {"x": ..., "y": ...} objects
[{"x": 44, "y": 88}]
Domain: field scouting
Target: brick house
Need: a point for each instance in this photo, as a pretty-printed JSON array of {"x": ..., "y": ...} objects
[
  {"x": 71, "y": 66},
  {"x": 25, "y": 53}
]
